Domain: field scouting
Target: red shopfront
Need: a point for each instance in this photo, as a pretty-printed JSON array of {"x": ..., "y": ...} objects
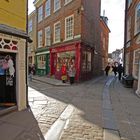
[{"x": 68, "y": 53}]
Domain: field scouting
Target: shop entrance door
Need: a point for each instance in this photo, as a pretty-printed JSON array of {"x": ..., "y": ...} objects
[
  {"x": 47, "y": 64},
  {"x": 7, "y": 79}
]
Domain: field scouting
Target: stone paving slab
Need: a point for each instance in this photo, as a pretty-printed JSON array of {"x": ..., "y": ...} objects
[
  {"x": 126, "y": 107},
  {"x": 109, "y": 120},
  {"x": 111, "y": 135}
]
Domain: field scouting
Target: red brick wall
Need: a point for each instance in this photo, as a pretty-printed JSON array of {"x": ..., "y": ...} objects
[
  {"x": 133, "y": 46},
  {"x": 91, "y": 31},
  {"x": 60, "y": 15},
  {"x": 104, "y": 34}
]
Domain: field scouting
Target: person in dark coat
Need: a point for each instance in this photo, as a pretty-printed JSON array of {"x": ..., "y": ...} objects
[
  {"x": 120, "y": 71},
  {"x": 107, "y": 69},
  {"x": 114, "y": 69},
  {"x": 30, "y": 72}
]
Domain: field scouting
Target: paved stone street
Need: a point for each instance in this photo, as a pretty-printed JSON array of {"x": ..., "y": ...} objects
[{"x": 100, "y": 109}]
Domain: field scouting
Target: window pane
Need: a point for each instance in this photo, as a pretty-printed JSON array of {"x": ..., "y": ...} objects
[
  {"x": 69, "y": 25},
  {"x": 48, "y": 36},
  {"x": 56, "y": 5},
  {"x": 40, "y": 14},
  {"x": 48, "y": 8},
  {"x": 57, "y": 32},
  {"x": 40, "y": 39}
]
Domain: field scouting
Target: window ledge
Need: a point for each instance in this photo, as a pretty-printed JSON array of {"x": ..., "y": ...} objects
[
  {"x": 56, "y": 42},
  {"x": 67, "y": 3},
  {"x": 56, "y": 10},
  {"x": 68, "y": 39},
  {"x": 47, "y": 16}
]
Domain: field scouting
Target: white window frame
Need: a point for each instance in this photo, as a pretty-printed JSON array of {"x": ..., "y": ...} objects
[
  {"x": 48, "y": 8},
  {"x": 137, "y": 19},
  {"x": 40, "y": 39},
  {"x": 57, "y": 5},
  {"x": 40, "y": 14},
  {"x": 67, "y": 2},
  {"x": 55, "y": 37},
  {"x": 72, "y": 32},
  {"x": 135, "y": 63},
  {"x": 128, "y": 29},
  {"x": 30, "y": 25},
  {"x": 48, "y": 36}
]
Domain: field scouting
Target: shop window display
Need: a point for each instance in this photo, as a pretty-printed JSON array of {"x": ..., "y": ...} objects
[
  {"x": 7, "y": 78},
  {"x": 65, "y": 57},
  {"x": 86, "y": 61},
  {"x": 41, "y": 62}
]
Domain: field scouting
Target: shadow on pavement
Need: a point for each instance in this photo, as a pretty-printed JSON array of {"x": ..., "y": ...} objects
[{"x": 20, "y": 125}]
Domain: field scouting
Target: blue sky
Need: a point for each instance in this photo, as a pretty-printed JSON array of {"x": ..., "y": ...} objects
[{"x": 114, "y": 10}]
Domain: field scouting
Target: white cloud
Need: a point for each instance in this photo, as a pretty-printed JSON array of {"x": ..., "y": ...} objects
[
  {"x": 114, "y": 10},
  {"x": 30, "y": 6}
]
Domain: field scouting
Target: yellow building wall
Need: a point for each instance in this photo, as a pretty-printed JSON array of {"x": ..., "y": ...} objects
[{"x": 13, "y": 13}]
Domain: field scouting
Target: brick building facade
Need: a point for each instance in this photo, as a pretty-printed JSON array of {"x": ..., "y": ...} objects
[
  {"x": 132, "y": 39},
  {"x": 68, "y": 31},
  {"x": 104, "y": 40},
  {"x": 32, "y": 33}
]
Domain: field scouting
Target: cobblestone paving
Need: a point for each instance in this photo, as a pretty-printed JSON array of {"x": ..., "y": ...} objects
[
  {"x": 85, "y": 122},
  {"x": 80, "y": 129},
  {"x": 45, "y": 109}
]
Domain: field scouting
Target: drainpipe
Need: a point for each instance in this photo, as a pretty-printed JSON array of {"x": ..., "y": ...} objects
[
  {"x": 125, "y": 36},
  {"x": 138, "y": 87},
  {"x": 26, "y": 55}
]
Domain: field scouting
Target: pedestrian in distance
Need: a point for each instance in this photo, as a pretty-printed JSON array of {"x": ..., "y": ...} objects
[
  {"x": 72, "y": 73},
  {"x": 34, "y": 69},
  {"x": 120, "y": 71},
  {"x": 107, "y": 69},
  {"x": 30, "y": 72},
  {"x": 114, "y": 69}
]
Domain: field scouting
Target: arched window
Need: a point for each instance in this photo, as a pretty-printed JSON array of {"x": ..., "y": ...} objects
[{"x": 137, "y": 19}]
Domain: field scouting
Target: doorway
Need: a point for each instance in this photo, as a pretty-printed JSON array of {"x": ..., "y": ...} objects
[{"x": 7, "y": 80}]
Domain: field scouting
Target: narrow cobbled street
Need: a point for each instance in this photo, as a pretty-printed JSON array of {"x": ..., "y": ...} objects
[{"x": 100, "y": 109}]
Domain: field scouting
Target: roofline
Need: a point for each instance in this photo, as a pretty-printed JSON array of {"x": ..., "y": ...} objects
[
  {"x": 19, "y": 33},
  {"x": 105, "y": 24}
]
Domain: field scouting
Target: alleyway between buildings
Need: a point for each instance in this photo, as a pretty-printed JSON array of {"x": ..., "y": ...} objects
[{"x": 100, "y": 109}]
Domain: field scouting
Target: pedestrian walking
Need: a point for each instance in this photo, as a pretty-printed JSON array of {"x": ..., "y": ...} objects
[
  {"x": 30, "y": 72},
  {"x": 64, "y": 72},
  {"x": 107, "y": 69},
  {"x": 71, "y": 73},
  {"x": 34, "y": 69},
  {"x": 114, "y": 69},
  {"x": 120, "y": 71}
]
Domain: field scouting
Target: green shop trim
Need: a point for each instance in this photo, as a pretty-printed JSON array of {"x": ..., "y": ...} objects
[{"x": 43, "y": 63}]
